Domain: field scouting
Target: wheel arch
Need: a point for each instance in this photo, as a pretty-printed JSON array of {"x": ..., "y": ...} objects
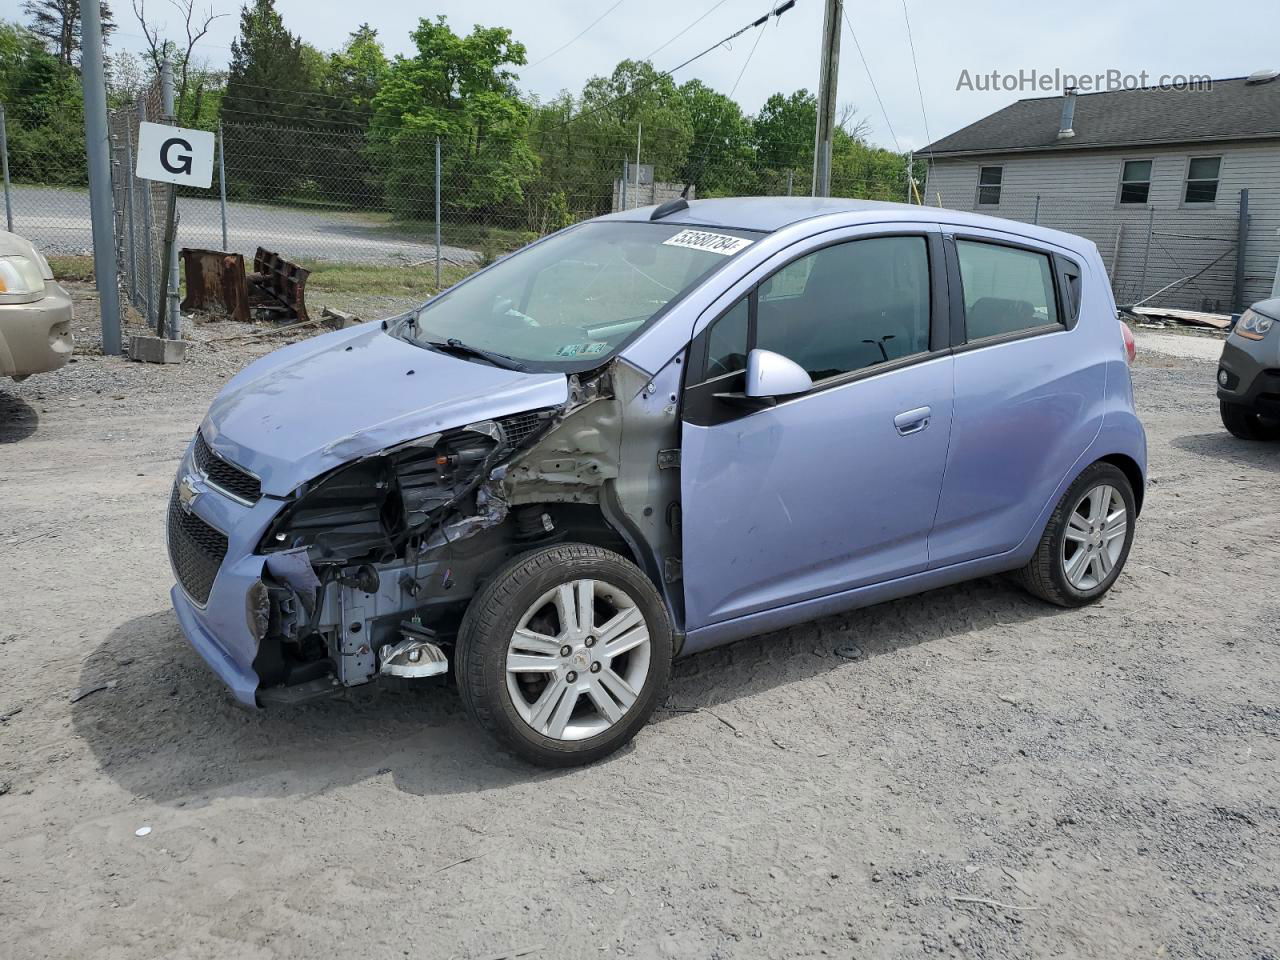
[{"x": 1133, "y": 473}]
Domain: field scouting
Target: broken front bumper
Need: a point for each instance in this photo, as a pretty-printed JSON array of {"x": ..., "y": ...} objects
[{"x": 211, "y": 598}]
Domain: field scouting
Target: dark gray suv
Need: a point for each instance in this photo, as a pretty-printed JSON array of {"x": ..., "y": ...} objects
[{"x": 1249, "y": 374}]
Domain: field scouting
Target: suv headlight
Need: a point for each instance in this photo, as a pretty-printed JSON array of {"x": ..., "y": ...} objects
[
  {"x": 20, "y": 277},
  {"x": 1253, "y": 325}
]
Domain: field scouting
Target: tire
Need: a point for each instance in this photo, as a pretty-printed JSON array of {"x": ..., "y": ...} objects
[
  {"x": 1242, "y": 422},
  {"x": 1054, "y": 565},
  {"x": 527, "y": 708}
]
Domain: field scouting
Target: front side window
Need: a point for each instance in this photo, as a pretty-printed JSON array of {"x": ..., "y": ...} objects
[
  {"x": 1135, "y": 181},
  {"x": 989, "y": 182},
  {"x": 1202, "y": 179},
  {"x": 848, "y": 306},
  {"x": 1006, "y": 289},
  {"x": 571, "y": 301}
]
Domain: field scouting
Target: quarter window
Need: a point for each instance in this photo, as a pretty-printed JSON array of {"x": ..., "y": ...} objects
[
  {"x": 1202, "y": 179},
  {"x": 727, "y": 341},
  {"x": 1006, "y": 289},
  {"x": 1135, "y": 181},
  {"x": 989, "y": 182},
  {"x": 848, "y": 306}
]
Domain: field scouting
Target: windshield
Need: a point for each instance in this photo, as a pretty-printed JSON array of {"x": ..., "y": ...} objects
[{"x": 574, "y": 299}]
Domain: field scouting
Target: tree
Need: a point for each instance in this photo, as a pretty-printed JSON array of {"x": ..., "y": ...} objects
[
  {"x": 461, "y": 90},
  {"x": 57, "y": 23},
  {"x": 784, "y": 130},
  {"x": 179, "y": 53},
  {"x": 355, "y": 73},
  {"x": 44, "y": 110},
  {"x": 271, "y": 83},
  {"x": 719, "y": 159}
]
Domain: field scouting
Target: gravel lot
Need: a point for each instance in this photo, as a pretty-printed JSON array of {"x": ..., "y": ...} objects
[
  {"x": 990, "y": 778},
  {"x": 57, "y": 221}
]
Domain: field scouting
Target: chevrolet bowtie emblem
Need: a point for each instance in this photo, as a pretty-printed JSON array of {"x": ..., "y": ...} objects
[{"x": 187, "y": 492}]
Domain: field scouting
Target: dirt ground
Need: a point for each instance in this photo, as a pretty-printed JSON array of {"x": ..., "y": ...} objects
[{"x": 987, "y": 777}]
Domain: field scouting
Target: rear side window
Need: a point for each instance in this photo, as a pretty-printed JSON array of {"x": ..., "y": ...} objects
[{"x": 1006, "y": 289}]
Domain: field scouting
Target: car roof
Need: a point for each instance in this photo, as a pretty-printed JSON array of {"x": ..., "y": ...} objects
[{"x": 768, "y": 214}]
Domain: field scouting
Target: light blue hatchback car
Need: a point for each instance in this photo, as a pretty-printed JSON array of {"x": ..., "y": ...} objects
[{"x": 650, "y": 434}]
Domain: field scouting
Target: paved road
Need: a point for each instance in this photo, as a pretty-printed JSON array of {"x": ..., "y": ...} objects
[{"x": 57, "y": 221}]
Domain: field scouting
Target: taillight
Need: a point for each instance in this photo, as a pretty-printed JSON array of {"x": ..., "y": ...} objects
[{"x": 1130, "y": 348}]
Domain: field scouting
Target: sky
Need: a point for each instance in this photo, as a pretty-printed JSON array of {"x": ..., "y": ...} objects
[{"x": 1232, "y": 38}]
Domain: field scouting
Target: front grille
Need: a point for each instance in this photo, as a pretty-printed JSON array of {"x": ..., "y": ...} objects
[
  {"x": 195, "y": 549},
  {"x": 224, "y": 475},
  {"x": 520, "y": 427}
]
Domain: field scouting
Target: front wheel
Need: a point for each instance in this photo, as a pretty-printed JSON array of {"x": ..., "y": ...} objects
[
  {"x": 564, "y": 654},
  {"x": 1086, "y": 541},
  {"x": 1243, "y": 423}
]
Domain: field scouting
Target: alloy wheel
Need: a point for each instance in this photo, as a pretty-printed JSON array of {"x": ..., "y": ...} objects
[
  {"x": 1095, "y": 536},
  {"x": 578, "y": 659}
]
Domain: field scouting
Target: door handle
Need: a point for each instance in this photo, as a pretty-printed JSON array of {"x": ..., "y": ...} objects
[{"x": 913, "y": 421}]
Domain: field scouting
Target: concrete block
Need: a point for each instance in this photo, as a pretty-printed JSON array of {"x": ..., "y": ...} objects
[{"x": 157, "y": 350}]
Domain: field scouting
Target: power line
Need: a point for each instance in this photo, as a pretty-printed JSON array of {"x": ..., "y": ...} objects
[
  {"x": 776, "y": 12},
  {"x": 570, "y": 43},
  {"x": 874, "y": 89},
  {"x": 916, "y": 66},
  {"x": 716, "y": 132},
  {"x": 713, "y": 9}
]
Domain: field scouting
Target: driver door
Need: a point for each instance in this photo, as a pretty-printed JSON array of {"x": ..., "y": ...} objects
[{"x": 837, "y": 487}]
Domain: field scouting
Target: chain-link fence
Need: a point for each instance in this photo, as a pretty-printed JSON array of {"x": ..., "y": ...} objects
[
  {"x": 338, "y": 195},
  {"x": 140, "y": 206}
]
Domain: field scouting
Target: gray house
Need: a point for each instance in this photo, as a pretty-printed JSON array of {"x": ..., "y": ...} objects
[{"x": 1169, "y": 183}]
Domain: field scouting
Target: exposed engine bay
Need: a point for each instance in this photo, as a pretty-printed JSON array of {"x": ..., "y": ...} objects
[{"x": 369, "y": 567}]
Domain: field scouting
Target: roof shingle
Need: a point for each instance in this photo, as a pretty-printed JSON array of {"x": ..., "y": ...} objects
[{"x": 1229, "y": 110}]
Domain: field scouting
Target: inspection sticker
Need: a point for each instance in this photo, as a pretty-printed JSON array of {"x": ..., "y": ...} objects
[{"x": 721, "y": 243}]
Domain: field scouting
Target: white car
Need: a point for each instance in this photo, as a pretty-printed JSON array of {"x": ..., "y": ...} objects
[{"x": 35, "y": 313}]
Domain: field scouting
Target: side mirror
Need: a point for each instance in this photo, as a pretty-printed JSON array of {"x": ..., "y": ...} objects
[{"x": 771, "y": 374}]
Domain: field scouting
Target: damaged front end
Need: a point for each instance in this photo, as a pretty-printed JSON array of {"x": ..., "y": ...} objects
[{"x": 368, "y": 570}]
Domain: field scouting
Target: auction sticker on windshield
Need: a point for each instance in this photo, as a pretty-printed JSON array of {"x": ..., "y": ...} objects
[{"x": 721, "y": 243}]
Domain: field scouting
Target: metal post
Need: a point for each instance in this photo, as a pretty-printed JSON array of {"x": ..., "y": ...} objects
[
  {"x": 790, "y": 177},
  {"x": 1036, "y": 220},
  {"x": 638, "y": 126},
  {"x": 623, "y": 191},
  {"x": 127, "y": 174},
  {"x": 98, "y": 153},
  {"x": 169, "y": 271},
  {"x": 222, "y": 183},
  {"x": 827, "y": 79},
  {"x": 148, "y": 238},
  {"x": 1146, "y": 256},
  {"x": 152, "y": 304},
  {"x": 4, "y": 162},
  {"x": 437, "y": 214},
  {"x": 1242, "y": 244}
]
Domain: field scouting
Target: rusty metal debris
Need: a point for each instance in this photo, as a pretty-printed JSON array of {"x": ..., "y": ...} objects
[{"x": 217, "y": 283}]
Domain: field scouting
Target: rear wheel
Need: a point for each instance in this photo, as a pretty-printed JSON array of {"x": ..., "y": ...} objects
[
  {"x": 1242, "y": 422},
  {"x": 1086, "y": 542},
  {"x": 564, "y": 654}
]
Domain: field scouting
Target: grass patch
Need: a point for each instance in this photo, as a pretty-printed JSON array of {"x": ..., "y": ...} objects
[
  {"x": 71, "y": 268},
  {"x": 359, "y": 278}
]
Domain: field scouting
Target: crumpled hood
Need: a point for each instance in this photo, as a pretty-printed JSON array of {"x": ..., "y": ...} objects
[{"x": 315, "y": 405}]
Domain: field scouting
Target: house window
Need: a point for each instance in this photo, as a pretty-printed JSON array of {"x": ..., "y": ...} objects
[
  {"x": 1135, "y": 181},
  {"x": 989, "y": 179},
  {"x": 1202, "y": 179}
]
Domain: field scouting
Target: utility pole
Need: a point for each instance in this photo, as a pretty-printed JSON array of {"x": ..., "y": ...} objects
[
  {"x": 98, "y": 153},
  {"x": 831, "y": 23}
]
